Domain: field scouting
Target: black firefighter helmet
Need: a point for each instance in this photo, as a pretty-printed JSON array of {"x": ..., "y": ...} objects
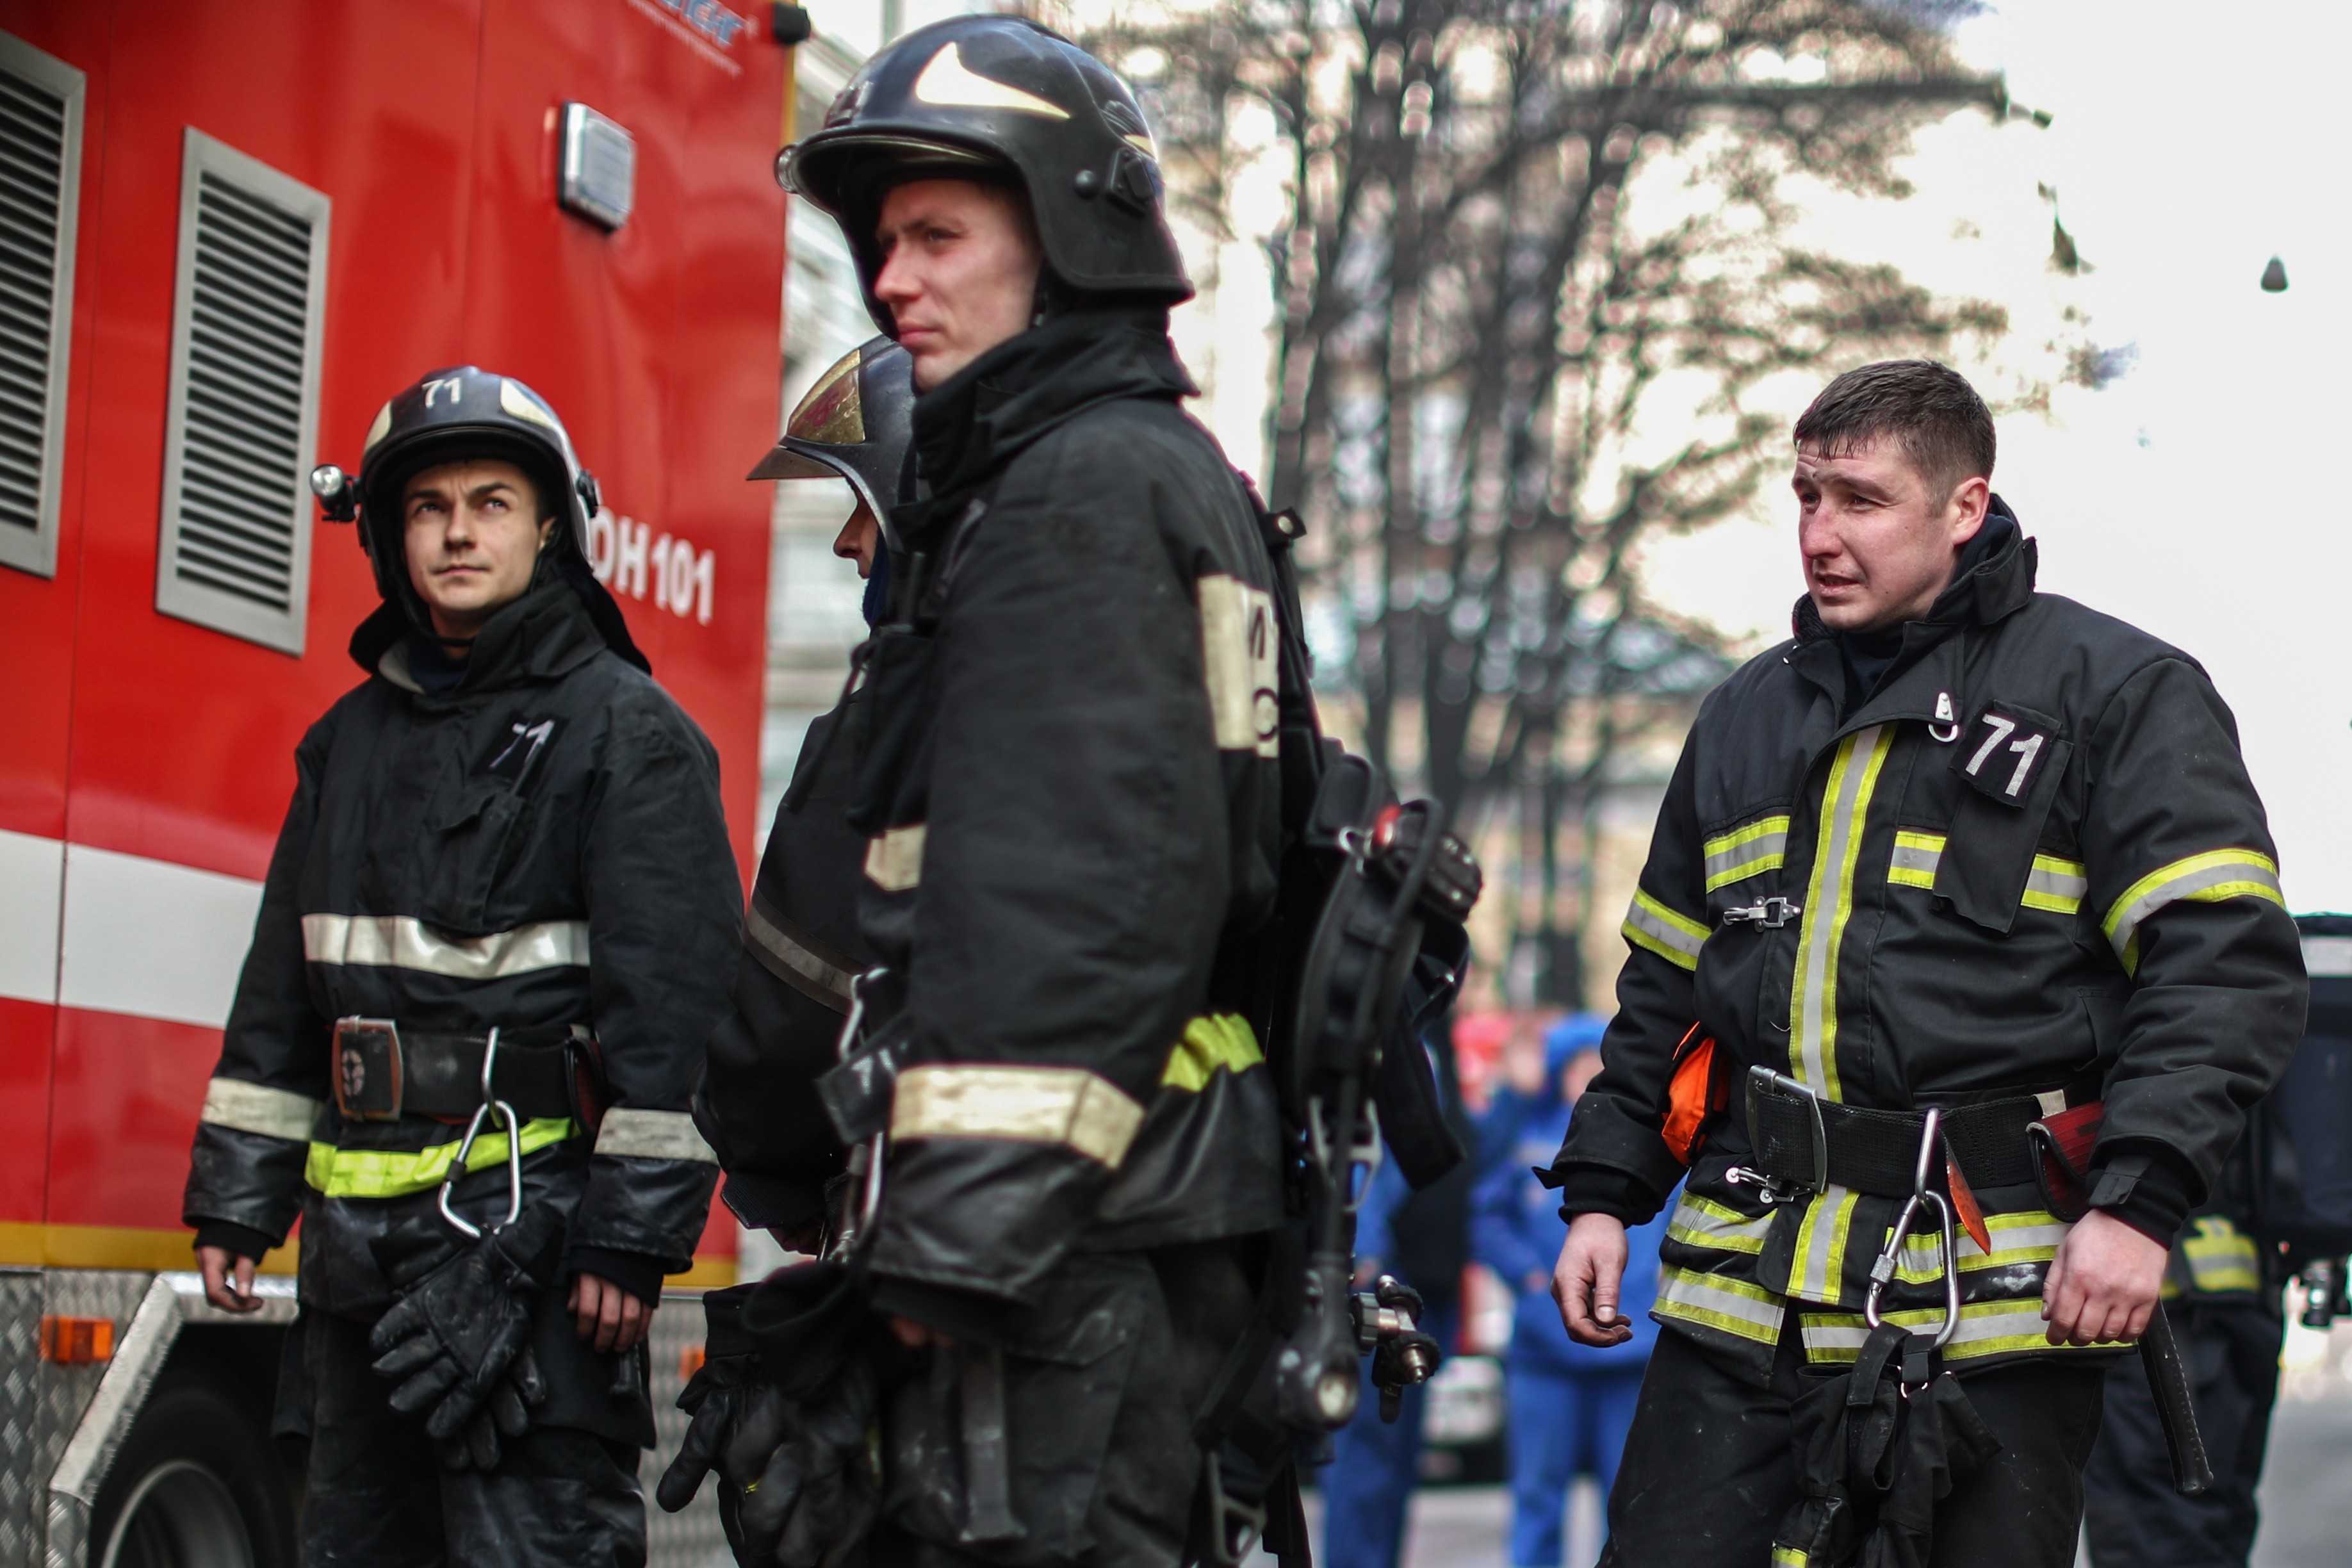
[
  {"x": 992, "y": 98},
  {"x": 450, "y": 415},
  {"x": 855, "y": 424}
]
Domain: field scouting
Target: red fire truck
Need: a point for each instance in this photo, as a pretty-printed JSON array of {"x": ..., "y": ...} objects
[{"x": 228, "y": 230}]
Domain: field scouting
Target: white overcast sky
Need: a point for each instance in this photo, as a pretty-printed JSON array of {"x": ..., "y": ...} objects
[{"x": 2203, "y": 495}]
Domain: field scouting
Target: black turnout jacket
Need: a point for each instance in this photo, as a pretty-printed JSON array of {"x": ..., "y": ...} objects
[
  {"x": 1069, "y": 780},
  {"x": 801, "y": 949},
  {"x": 541, "y": 849},
  {"x": 2029, "y": 860}
]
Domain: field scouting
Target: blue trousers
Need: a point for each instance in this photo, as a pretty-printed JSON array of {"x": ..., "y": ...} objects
[
  {"x": 1562, "y": 1424},
  {"x": 1374, "y": 1466}
]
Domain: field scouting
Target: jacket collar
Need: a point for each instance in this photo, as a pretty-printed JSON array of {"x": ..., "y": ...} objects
[
  {"x": 972, "y": 425},
  {"x": 1994, "y": 583},
  {"x": 544, "y": 636}
]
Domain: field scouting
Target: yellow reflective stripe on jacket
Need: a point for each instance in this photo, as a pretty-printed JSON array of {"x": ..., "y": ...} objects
[
  {"x": 1701, "y": 1222},
  {"x": 1747, "y": 851},
  {"x": 1212, "y": 1041},
  {"x": 1917, "y": 855},
  {"x": 2030, "y": 1236},
  {"x": 1829, "y": 905},
  {"x": 1672, "y": 936},
  {"x": 390, "y": 1174},
  {"x": 1986, "y": 1327},
  {"x": 2206, "y": 878},
  {"x": 2055, "y": 885},
  {"x": 1817, "y": 1272},
  {"x": 2222, "y": 1257},
  {"x": 1720, "y": 1301}
]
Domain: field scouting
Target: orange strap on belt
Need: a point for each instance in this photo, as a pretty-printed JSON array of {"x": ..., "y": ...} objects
[{"x": 1688, "y": 1099}]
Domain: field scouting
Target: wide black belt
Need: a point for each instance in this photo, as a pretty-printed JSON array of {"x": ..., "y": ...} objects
[
  {"x": 383, "y": 1072},
  {"x": 1802, "y": 1140}
]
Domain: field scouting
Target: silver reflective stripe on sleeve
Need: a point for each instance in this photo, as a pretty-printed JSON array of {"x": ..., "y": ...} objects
[
  {"x": 894, "y": 858},
  {"x": 2206, "y": 878},
  {"x": 256, "y": 1108},
  {"x": 403, "y": 942},
  {"x": 1067, "y": 1106},
  {"x": 793, "y": 960},
  {"x": 652, "y": 1135},
  {"x": 1668, "y": 932}
]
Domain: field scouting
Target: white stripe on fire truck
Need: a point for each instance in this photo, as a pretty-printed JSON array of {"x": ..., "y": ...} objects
[{"x": 152, "y": 938}]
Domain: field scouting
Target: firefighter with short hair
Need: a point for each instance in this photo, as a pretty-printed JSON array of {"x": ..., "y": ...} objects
[
  {"x": 1957, "y": 959},
  {"x": 1065, "y": 775},
  {"x": 494, "y": 938}
]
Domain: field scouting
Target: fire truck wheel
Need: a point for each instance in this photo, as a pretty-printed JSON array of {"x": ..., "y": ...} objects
[{"x": 195, "y": 1485}]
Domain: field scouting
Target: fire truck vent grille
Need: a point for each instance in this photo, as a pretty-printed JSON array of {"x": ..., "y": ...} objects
[
  {"x": 40, "y": 172},
  {"x": 243, "y": 397}
]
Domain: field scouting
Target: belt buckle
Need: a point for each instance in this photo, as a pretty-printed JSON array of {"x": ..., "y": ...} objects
[
  {"x": 1765, "y": 1086},
  {"x": 368, "y": 1070}
]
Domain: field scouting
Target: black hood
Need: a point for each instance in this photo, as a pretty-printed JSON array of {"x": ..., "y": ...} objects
[{"x": 977, "y": 420}]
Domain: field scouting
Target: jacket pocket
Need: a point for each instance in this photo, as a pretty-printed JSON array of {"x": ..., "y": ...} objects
[
  {"x": 1989, "y": 855},
  {"x": 476, "y": 838}
]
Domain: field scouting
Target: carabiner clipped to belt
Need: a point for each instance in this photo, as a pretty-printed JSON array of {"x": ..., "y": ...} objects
[
  {"x": 866, "y": 1159},
  {"x": 508, "y": 1124},
  {"x": 1882, "y": 1268}
]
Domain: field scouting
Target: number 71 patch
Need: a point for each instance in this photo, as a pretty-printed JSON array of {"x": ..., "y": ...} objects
[{"x": 2004, "y": 751}]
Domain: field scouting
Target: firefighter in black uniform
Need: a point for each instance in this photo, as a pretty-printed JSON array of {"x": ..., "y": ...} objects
[
  {"x": 494, "y": 938},
  {"x": 801, "y": 942},
  {"x": 1066, "y": 776},
  {"x": 1959, "y": 957}
]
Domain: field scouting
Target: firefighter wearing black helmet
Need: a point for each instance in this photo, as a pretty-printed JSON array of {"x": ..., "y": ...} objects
[
  {"x": 1066, "y": 779},
  {"x": 801, "y": 942},
  {"x": 493, "y": 940}
]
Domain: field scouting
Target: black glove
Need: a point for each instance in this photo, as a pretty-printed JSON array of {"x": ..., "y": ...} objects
[
  {"x": 727, "y": 1398},
  {"x": 506, "y": 1411},
  {"x": 818, "y": 1493},
  {"x": 457, "y": 1339}
]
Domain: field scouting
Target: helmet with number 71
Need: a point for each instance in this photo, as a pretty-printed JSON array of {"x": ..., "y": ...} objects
[{"x": 450, "y": 415}]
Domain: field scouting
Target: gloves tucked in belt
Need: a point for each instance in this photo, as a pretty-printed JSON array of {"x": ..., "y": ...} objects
[{"x": 458, "y": 1339}]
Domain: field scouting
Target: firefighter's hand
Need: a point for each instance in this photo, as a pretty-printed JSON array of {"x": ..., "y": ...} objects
[
  {"x": 915, "y": 1336},
  {"x": 2102, "y": 1284},
  {"x": 1585, "y": 1280},
  {"x": 610, "y": 1318},
  {"x": 228, "y": 1280}
]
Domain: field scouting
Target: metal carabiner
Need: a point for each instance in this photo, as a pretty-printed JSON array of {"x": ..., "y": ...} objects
[
  {"x": 507, "y": 1124},
  {"x": 1882, "y": 1268},
  {"x": 865, "y": 1161}
]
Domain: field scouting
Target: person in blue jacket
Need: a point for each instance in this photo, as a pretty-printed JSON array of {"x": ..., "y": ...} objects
[{"x": 1569, "y": 1404}]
